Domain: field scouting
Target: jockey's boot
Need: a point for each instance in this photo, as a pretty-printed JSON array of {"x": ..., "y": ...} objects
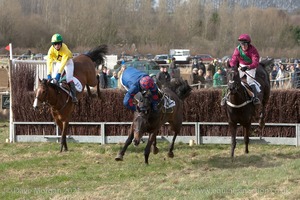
[
  {"x": 223, "y": 101},
  {"x": 73, "y": 92},
  {"x": 255, "y": 99}
]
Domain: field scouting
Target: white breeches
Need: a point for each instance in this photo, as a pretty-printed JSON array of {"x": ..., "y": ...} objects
[{"x": 69, "y": 69}]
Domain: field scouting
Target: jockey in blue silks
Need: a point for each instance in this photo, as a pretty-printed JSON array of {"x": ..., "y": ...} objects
[{"x": 136, "y": 81}]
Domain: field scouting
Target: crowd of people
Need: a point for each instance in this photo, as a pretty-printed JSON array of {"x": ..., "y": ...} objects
[{"x": 285, "y": 75}]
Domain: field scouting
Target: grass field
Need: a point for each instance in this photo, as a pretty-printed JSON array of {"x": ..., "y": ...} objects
[{"x": 89, "y": 171}]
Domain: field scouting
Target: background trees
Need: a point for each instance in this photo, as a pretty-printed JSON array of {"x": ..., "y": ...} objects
[{"x": 120, "y": 24}]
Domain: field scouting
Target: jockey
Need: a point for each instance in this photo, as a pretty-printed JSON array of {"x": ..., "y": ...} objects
[
  {"x": 60, "y": 53},
  {"x": 246, "y": 55},
  {"x": 135, "y": 81}
]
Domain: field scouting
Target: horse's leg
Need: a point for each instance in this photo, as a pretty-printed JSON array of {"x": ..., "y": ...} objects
[
  {"x": 63, "y": 143},
  {"x": 262, "y": 120},
  {"x": 127, "y": 143},
  {"x": 61, "y": 128},
  {"x": 152, "y": 138},
  {"x": 246, "y": 131},
  {"x": 98, "y": 87},
  {"x": 155, "y": 150},
  {"x": 170, "y": 153},
  {"x": 232, "y": 128}
]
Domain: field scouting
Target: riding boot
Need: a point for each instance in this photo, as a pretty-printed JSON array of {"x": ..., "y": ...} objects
[
  {"x": 255, "y": 99},
  {"x": 73, "y": 92},
  {"x": 223, "y": 101}
]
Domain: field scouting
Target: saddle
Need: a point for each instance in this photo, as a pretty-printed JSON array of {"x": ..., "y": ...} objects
[{"x": 247, "y": 88}]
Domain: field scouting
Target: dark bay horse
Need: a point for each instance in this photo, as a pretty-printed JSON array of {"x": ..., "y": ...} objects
[
  {"x": 239, "y": 107},
  {"x": 59, "y": 100},
  {"x": 147, "y": 121}
]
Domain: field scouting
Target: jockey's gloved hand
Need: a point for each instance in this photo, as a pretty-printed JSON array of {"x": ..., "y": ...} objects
[
  {"x": 244, "y": 68},
  {"x": 49, "y": 77},
  {"x": 57, "y": 77}
]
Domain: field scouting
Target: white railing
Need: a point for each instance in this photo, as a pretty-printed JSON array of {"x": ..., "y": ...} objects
[{"x": 197, "y": 136}]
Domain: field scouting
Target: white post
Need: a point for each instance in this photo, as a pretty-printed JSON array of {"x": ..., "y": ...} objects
[
  {"x": 11, "y": 117},
  {"x": 10, "y": 51}
]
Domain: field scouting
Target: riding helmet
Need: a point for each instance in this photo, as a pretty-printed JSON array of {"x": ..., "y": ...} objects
[
  {"x": 244, "y": 38},
  {"x": 56, "y": 38},
  {"x": 146, "y": 82}
]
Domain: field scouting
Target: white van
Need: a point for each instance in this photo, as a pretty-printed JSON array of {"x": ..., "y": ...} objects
[{"x": 180, "y": 54}]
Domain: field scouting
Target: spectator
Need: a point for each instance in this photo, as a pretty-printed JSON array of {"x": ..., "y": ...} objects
[
  {"x": 213, "y": 66},
  {"x": 195, "y": 63},
  {"x": 114, "y": 80},
  {"x": 194, "y": 76},
  {"x": 201, "y": 66},
  {"x": 218, "y": 78},
  {"x": 281, "y": 76},
  {"x": 201, "y": 77},
  {"x": 103, "y": 78},
  {"x": 208, "y": 79},
  {"x": 118, "y": 65},
  {"x": 163, "y": 76},
  {"x": 273, "y": 74},
  {"x": 175, "y": 71}
]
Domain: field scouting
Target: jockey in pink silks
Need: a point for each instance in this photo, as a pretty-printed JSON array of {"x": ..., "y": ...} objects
[{"x": 247, "y": 57}]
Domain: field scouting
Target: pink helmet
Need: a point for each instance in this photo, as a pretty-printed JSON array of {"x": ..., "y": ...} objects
[
  {"x": 146, "y": 82},
  {"x": 244, "y": 37}
]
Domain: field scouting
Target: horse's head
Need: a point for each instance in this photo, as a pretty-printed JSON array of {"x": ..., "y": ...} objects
[
  {"x": 233, "y": 79},
  {"x": 141, "y": 115},
  {"x": 41, "y": 93}
]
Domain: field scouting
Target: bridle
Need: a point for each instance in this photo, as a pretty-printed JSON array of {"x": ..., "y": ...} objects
[
  {"x": 46, "y": 100},
  {"x": 234, "y": 87}
]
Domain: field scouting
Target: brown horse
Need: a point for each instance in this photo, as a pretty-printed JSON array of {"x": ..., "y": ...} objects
[
  {"x": 59, "y": 99},
  {"x": 239, "y": 107},
  {"x": 147, "y": 121}
]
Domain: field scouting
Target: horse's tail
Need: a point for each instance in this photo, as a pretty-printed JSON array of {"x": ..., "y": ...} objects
[
  {"x": 97, "y": 54},
  {"x": 181, "y": 88}
]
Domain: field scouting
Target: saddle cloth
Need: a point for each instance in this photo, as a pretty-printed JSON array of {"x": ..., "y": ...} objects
[{"x": 77, "y": 83}]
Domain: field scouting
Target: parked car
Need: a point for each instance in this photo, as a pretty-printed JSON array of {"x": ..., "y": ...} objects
[
  {"x": 206, "y": 58},
  {"x": 162, "y": 59},
  {"x": 150, "y": 67}
]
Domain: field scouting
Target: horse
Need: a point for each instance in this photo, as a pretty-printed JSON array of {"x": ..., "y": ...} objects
[
  {"x": 59, "y": 98},
  {"x": 239, "y": 106},
  {"x": 147, "y": 121}
]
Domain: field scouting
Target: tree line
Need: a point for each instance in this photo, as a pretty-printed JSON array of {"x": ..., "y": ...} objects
[{"x": 133, "y": 28}]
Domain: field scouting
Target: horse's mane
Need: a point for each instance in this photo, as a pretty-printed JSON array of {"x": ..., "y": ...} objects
[
  {"x": 52, "y": 85},
  {"x": 181, "y": 88},
  {"x": 97, "y": 54}
]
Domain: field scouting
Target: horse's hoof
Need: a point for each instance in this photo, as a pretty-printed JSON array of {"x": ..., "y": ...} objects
[
  {"x": 119, "y": 158},
  {"x": 155, "y": 150},
  {"x": 171, "y": 155}
]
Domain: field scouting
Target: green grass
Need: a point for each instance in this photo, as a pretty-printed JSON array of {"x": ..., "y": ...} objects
[{"x": 89, "y": 171}]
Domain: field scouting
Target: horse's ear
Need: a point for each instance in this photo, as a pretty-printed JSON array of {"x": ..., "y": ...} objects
[
  {"x": 228, "y": 63},
  {"x": 40, "y": 80}
]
